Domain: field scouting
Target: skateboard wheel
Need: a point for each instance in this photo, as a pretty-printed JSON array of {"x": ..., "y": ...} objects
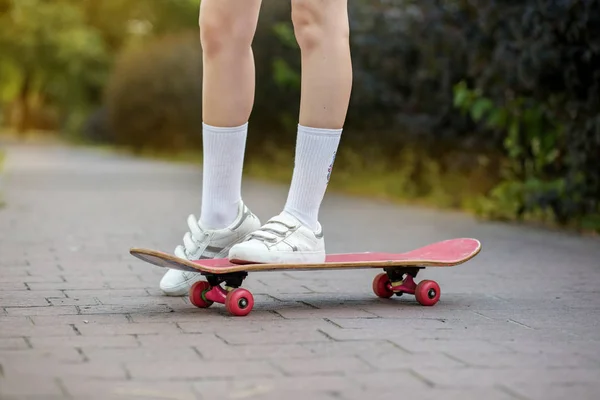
[
  {"x": 427, "y": 293},
  {"x": 382, "y": 286},
  {"x": 197, "y": 292},
  {"x": 239, "y": 302}
]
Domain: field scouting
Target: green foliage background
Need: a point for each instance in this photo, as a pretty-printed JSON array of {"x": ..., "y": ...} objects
[{"x": 485, "y": 106}]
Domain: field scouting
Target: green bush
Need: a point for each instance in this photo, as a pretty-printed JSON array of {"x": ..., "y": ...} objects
[
  {"x": 154, "y": 96},
  {"x": 537, "y": 86},
  {"x": 523, "y": 77}
]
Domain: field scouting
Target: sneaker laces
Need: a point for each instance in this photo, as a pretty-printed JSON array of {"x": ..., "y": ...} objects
[{"x": 275, "y": 229}]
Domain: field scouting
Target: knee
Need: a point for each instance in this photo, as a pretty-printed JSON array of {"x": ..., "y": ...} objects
[
  {"x": 220, "y": 32},
  {"x": 316, "y": 23}
]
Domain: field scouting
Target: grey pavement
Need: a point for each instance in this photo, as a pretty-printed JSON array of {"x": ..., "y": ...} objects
[{"x": 82, "y": 319}]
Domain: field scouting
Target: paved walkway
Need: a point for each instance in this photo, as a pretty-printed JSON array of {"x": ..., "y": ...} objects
[{"x": 82, "y": 319}]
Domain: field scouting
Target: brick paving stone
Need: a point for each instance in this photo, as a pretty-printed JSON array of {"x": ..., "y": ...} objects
[
  {"x": 144, "y": 301},
  {"x": 326, "y": 365},
  {"x": 28, "y": 298},
  {"x": 433, "y": 393},
  {"x": 384, "y": 380},
  {"x": 127, "y": 329},
  {"x": 82, "y": 301},
  {"x": 84, "y": 341},
  {"x": 181, "y": 340},
  {"x": 321, "y": 300},
  {"x": 381, "y": 324},
  {"x": 122, "y": 389},
  {"x": 370, "y": 348},
  {"x": 200, "y": 370},
  {"x": 35, "y": 397},
  {"x": 35, "y": 355},
  {"x": 19, "y": 285},
  {"x": 457, "y": 346},
  {"x": 312, "y": 313},
  {"x": 13, "y": 343},
  {"x": 53, "y": 369},
  {"x": 95, "y": 285},
  {"x": 512, "y": 360},
  {"x": 180, "y": 317},
  {"x": 124, "y": 309},
  {"x": 485, "y": 377},
  {"x": 10, "y": 271},
  {"x": 83, "y": 319},
  {"x": 253, "y": 352},
  {"x": 20, "y": 387},
  {"x": 31, "y": 301},
  {"x": 445, "y": 314},
  {"x": 586, "y": 348},
  {"x": 272, "y": 337},
  {"x": 251, "y": 325},
  {"x": 473, "y": 332},
  {"x": 14, "y": 323},
  {"x": 44, "y": 320},
  {"x": 297, "y": 387},
  {"x": 394, "y": 361},
  {"x": 37, "y": 278},
  {"x": 107, "y": 293},
  {"x": 36, "y": 331},
  {"x": 41, "y": 310},
  {"x": 557, "y": 392},
  {"x": 141, "y": 354},
  {"x": 258, "y": 393}
]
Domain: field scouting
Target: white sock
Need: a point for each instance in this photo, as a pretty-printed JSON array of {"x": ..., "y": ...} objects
[
  {"x": 223, "y": 161},
  {"x": 315, "y": 153}
]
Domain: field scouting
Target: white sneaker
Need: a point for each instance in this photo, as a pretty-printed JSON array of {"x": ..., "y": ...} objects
[
  {"x": 283, "y": 239},
  {"x": 201, "y": 243}
]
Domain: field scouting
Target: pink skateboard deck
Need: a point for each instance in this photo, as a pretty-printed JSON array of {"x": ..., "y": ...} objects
[{"x": 400, "y": 269}]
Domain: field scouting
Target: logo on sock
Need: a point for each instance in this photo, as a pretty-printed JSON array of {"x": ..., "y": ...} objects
[{"x": 330, "y": 167}]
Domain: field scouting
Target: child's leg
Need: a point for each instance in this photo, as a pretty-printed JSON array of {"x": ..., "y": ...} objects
[
  {"x": 227, "y": 28},
  {"x": 322, "y": 31}
]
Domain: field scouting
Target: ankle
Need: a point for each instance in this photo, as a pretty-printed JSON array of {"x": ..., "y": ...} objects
[
  {"x": 304, "y": 218},
  {"x": 220, "y": 216}
]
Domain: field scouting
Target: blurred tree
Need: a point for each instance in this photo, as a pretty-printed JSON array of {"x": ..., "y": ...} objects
[
  {"x": 534, "y": 80},
  {"x": 48, "y": 49},
  {"x": 128, "y": 22},
  {"x": 154, "y": 96},
  {"x": 60, "y": 52}
]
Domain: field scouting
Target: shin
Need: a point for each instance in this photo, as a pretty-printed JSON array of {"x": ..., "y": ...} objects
[
  {"x": 227, "y": 28},
  {"x": 322, "y": 32}
]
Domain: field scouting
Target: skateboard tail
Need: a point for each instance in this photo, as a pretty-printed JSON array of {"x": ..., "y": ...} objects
[{"x": 162, "y": 262}]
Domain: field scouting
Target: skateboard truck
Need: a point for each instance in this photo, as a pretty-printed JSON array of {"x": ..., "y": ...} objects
[
  {"x": 402, "y": 279},
  {"x": 237, "y": 301},
  {"x": 397, "y": 281}
]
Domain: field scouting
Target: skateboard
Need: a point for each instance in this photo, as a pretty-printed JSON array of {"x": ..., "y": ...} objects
[{"x": 224, "y": 278}]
